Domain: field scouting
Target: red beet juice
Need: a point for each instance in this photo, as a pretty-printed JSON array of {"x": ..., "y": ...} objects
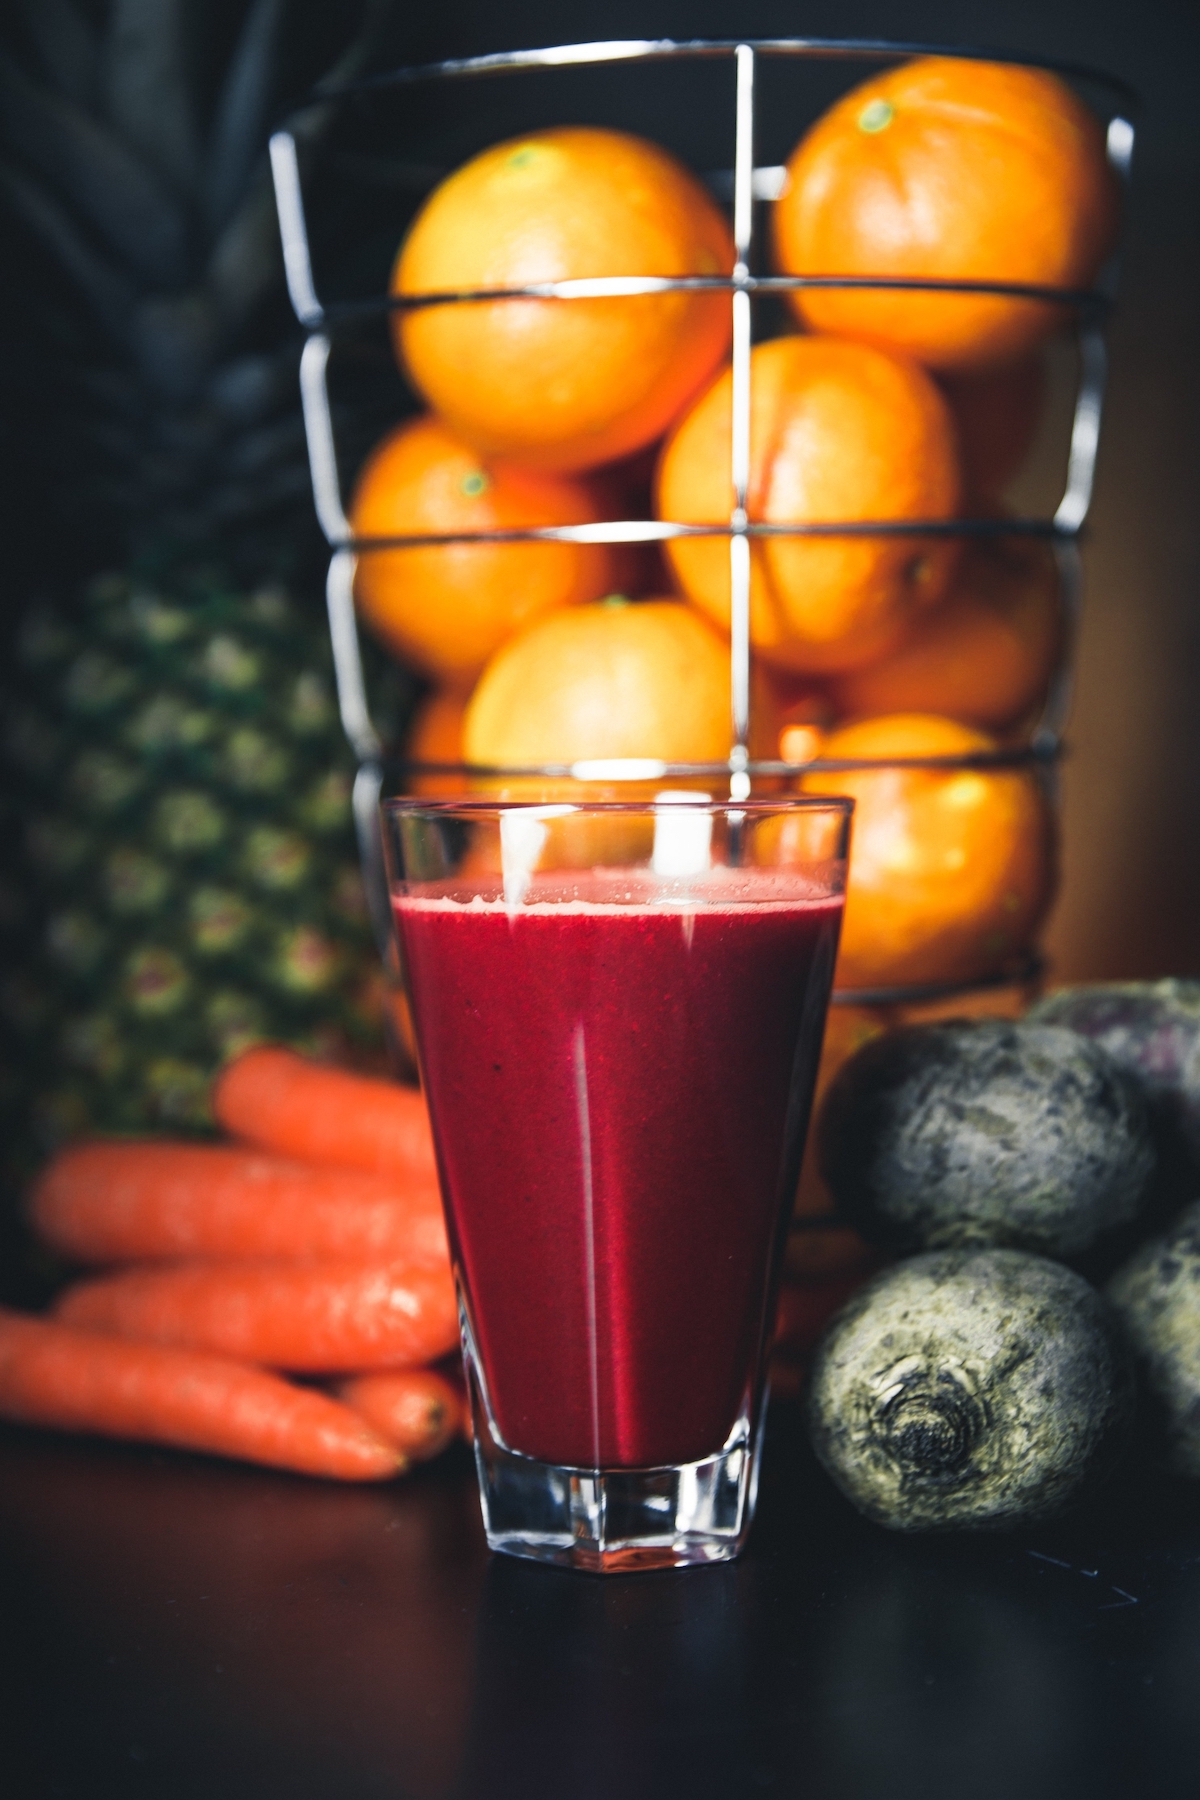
[{"x": 619, "y": 1085}]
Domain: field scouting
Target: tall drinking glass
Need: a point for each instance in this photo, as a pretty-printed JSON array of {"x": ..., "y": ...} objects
[{"x": 618, "y": 1011}]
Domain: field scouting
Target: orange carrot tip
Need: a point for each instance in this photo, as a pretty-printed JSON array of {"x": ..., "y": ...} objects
[
  {"x": 417, "y": 1410},
  {"x": 52, "y": 1375},
  {"x": 280, "y": 1101}
]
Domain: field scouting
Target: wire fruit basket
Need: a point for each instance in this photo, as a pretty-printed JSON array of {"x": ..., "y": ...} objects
[{"x": 748, "y": 184}]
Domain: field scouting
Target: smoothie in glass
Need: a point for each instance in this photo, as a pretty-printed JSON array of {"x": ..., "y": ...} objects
[{"x": 619, "y": 1063}]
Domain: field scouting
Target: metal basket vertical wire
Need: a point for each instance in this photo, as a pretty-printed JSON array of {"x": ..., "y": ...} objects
[{"x": 749, "y": 183}]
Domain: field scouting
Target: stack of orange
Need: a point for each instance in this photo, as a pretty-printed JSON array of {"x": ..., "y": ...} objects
[{"x": 890, "y": 405}]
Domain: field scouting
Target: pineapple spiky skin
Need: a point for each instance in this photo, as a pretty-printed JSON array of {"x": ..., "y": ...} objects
[{"x": 185, "y": 877}]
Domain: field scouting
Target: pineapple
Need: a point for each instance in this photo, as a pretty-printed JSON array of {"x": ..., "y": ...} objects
[
  {"x": 190, "y": 882},
  {"x": 176, "y": 793}
]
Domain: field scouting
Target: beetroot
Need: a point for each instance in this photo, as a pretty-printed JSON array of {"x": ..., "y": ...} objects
[
  {"x": 1157, "y": 1298},
  {"x": 1152, "y": 1029},
  {"x": 969, "y": 1390},
  {"x": 978, "y": 1132}
]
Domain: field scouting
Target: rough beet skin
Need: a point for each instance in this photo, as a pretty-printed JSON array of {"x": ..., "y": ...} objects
[
  {"x": 1156, "y": 1295},
  {"x": 969, "y": 1390},
  {"x": 1152, "y": 1029},
  {"x": 982, "y": 1132}
]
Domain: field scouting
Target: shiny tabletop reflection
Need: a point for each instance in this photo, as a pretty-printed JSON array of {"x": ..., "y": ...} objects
[{"x": 175, "y": 1628}]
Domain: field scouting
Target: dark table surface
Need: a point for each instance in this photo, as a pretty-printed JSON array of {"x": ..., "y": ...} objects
[{"x": 176, "y": 1628}]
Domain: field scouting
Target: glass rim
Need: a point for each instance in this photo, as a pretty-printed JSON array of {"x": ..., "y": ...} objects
[{"x": 413, "y": 806}]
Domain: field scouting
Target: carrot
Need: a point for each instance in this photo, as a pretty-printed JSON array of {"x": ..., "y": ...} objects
[
  {"x": 325, "y": 1318},
  {"x": 280, "y": 1101},
  {"x": 76, "y": 1381},
  {"x": 155, "y": 1200},
  {"x": 417, "y": 1410}
]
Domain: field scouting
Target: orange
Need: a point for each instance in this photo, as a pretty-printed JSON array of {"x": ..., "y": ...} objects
[
  {"x": 955, "y": 170},
  {"x": 997, "y": 412},
  {"x": 435, "y": 731},
  {"x": 804, "y": 714},
  {"x": 799, "y": 742},
  {"x": 621, "y": 679},
  {"x": 563, "y": 384},
  {"x": 986, "y": 655},
  {"x": 624, "y": 489},
  {"x": 435, "y": 736},
  {"x": 950, "y": 870},
  {"x": 447, "y": 607},
  {"x": 838, "y": 432}
]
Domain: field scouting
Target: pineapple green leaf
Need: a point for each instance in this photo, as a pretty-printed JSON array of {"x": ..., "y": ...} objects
[
  {"x": 67, "y": 48},
  {"x": 248, "y": 388},
  {"x": 267, "y": 447},
  {"x": 358, "y": 51},
  {"x": 239, "y": 126},
  {"x": 185, "y": 426},
  {"x": 147, "y": 93},
  {"x": 176, "y": 341},
  {"x": 246, "y": 263},
  {"x": 109, "y": 294},
  {"x": 122, "y": 201},
  {"x": 310, "y": 120}
]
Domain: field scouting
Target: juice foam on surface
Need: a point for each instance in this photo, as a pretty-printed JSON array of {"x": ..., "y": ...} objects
[{"x": 604, "y": 890}]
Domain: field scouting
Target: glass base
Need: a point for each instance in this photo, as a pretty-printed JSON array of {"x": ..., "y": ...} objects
[{"x": 615, "y": 1521}]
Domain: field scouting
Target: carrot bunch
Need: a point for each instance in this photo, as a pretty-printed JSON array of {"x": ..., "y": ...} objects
[{"x": 312, "y": 1243}]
